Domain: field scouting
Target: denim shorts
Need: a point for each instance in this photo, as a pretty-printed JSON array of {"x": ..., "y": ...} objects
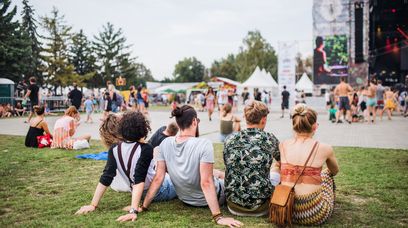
[{"x": 166, "y": 192}]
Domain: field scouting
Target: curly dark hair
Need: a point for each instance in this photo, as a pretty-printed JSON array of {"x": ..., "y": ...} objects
[{"x": 134, "y": 126}]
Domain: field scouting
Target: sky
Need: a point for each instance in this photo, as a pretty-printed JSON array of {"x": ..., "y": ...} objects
[{"x": 163, "y": 32}]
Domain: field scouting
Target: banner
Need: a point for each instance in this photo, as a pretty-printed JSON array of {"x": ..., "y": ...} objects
[
  {"x": 331, "y": 31},
  {"x": 287, "y": 66}
]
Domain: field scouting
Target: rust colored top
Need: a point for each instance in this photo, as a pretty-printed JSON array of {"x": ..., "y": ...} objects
[{"x": 290, "y": 172}]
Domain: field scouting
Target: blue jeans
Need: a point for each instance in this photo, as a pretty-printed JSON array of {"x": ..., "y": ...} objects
[{"x": 166, "y": 192}]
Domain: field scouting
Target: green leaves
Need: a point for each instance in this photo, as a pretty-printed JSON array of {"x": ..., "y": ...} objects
[{"x": 189, "y": 70}]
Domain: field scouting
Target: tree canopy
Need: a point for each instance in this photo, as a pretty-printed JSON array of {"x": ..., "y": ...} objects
[{"x": 189, "y": 70}]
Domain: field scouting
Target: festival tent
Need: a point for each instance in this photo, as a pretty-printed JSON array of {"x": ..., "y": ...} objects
[
  {"x": 262, "y": 80},
  {"x": 305, "y": 84}
]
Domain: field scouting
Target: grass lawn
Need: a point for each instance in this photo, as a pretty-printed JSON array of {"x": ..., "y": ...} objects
[{"x": 43, "y": 187}]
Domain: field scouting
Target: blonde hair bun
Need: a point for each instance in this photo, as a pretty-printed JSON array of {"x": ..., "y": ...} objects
[{"x": 300, "y": 109}]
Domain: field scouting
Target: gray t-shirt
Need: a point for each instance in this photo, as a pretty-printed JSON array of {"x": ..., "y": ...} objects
[
  {"x": 183, "y": 166},
  {"x": 380, "y": 93}
]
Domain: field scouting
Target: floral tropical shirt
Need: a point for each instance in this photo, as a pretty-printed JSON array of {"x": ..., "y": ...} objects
[{"x": 248, "y": 157}]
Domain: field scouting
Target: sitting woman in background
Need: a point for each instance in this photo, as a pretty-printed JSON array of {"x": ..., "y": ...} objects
[
  {"x": 229, "y": 123},
  {"x": 20, "y": 110},
  {"x": 38, "y": 126},
  {"x": 314, "y": 192},
  {"x": 65, "y": 128}
]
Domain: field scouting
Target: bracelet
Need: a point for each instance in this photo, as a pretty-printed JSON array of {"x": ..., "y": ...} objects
[
  {"x": 94, "y": 206},
  {"x": 217, "y": 217}
]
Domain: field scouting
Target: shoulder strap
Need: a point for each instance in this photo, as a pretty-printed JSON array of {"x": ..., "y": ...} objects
[
  {"x": 38, "y": 123},
  {"x": 304, "y": 166},
  {"x": 129, "y": 164}
]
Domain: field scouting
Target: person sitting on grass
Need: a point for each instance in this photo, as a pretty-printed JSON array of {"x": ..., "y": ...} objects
[
  {"x": 65, "y": 128},
  {"x": 162, "y": 133},
  {"x": 248, "y": 157},
  {"x": 132, "y": 160},
  {"x": 38, "y": 126},
  {"x": 189, "y": 161},
  {"x": 229, "y": 123},
  {"x": 315, "y": 190},
  {"x": 20, "y": 110}
]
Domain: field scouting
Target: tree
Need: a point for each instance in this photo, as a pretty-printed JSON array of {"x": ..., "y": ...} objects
[
  {"x": 14, "y": 46},
  {"x": 113, "y": 56},
  {"x": 225, "y": 68},
  {"x": 300, "y": 68},
  {"x": 59, "y": 72},
  {"x": 29, "y": 28},
  {"x": 189, "y": 70},
  {"x": 82, "y": 58},
  {"x": 256, "y": 51}
]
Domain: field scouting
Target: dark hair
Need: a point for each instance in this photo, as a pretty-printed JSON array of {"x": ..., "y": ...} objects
[
  {"x": 39, "y": 110},
  {"x": 319, "y": 41},
  {"x": 343, "y": 79},
  {"x": 172, "y": 128},
  {"x": 226, "y": 109},
  {"x": 184, "y": 116},
  {"x": 108, "y": 130},
  {"x": 284, "y": 87},
  {"x": 33, "y": 80},
  {"x": 133, "y": 126}
]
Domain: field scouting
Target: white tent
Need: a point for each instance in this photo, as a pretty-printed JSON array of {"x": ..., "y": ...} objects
[
  {"x": 260, "y": 79},
  {"x": 305, "y": 84}
]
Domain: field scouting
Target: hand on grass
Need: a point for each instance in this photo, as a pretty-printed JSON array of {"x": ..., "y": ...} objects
[
  {"x": 85, "y": 209},
  {"x": 129, "y": 217},
  {"x": 230, "y": 222}
]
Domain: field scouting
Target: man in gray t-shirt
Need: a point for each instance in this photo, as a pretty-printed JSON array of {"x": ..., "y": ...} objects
[
  {"x": 189, "y": 162},
  {"x": 183, "y": 165}
]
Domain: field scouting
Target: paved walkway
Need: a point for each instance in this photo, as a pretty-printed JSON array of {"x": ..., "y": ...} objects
[{"x": 383, "y": 134}]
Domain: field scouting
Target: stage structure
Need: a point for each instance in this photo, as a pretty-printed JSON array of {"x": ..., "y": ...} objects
[{"x": 340, "y": 36}]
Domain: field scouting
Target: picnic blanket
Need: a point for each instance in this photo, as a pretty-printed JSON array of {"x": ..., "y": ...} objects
[{"x": 101, "y": 156}]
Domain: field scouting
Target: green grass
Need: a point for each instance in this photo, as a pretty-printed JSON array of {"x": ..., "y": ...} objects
[{"x": 44, "y": 188}]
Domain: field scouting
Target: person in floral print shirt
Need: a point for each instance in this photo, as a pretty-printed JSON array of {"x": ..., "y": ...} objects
[{"x": 248, "y": 157}]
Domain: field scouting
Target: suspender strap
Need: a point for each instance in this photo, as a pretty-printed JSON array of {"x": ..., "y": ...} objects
[
  {"x": 129, "y": 164},
  {"x": 304, "y": 167}
]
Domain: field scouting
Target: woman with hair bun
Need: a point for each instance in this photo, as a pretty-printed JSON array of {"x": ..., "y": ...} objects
[
  {"x": 38, "y": 126},
  {"x": 314, "y": 192}
]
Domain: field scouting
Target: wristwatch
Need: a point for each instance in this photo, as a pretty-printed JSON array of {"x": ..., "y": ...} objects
[{"x": 133, "y": 211}]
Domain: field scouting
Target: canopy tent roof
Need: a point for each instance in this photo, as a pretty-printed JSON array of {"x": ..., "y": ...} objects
[
  {"x": 305, "y": 84},
  {"x": 260, "y": 79},
  {"x": 228, "y": 81},
  {"x": 6, "y": 81},
  {"x": 173, "y": 87}
]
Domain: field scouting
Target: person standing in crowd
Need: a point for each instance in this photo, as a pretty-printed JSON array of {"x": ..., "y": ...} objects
[
  {"x": 222, "y": 98},
  {"x": 342, "y": 91},
  {"x": 76, "y": 97},
  {"x": 257, "y": 95},
  {"x": 327, "y": 99},
  {"x": 245, "y": 95},
  {"x": 33, "y": 92},
  {"x": 380, "y": 99},
  {"x": 133, "y": 98},
  {"x": 38, "y": 126},
  {"x": 362, "y": 101},
  {"x": 210, "y": 102},
  {"x": 114, "y": 98},
  {"x": 21, "y": 88},
  {"x": 107, "y": 101},
  {"x": 162, "y": 133},
  {"x": 315, "y": 189},
  {"x": 390, "y": 105},
  {"x": 89, "y": 108},
  {"x": 189, "y": 162},
  {"x": 285, "y": 100},
  {"x": 140, "y": 101},
  {"x": 248, "y": 157},
  {"x": 229, "y": 123},
  {"x": 371, "y": 100}
]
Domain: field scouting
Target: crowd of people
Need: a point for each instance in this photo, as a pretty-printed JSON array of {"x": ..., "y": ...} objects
[{"x": 366, "y": 103}]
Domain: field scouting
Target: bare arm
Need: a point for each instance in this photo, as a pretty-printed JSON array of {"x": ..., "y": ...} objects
[
  {"x": 137, "y": 192},
  {"x": 331, "y": 162},
  {"x": 156, "y": 183},
  {"x": 46, "y": 129},
  {"x": 27, "y": 94},
  {"x": 100, "y": 190},
  {"x": 208, "y": 187}
]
